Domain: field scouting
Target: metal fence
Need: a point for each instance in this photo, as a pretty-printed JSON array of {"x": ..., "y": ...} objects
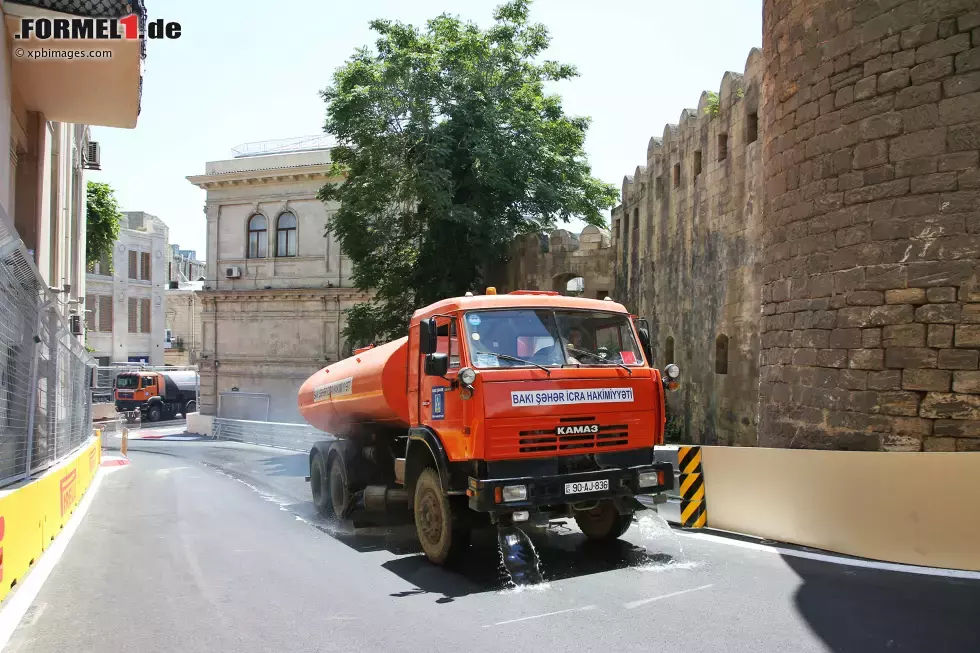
[
  {"x": 45, "y": 373},
  {"x": 295, "y": 437}
]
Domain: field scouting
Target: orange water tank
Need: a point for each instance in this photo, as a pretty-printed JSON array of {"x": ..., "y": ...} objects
[{"x": 369, "y": 388}]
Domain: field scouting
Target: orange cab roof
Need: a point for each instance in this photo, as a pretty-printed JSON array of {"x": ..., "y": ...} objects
[{"x": 517, "y": 300}]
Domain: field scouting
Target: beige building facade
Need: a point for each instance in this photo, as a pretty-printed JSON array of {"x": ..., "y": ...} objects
[
  {"x": 125, "y": 296},
  {"x": 182, "y": 317},
  {"x": 276, "y": 286}
]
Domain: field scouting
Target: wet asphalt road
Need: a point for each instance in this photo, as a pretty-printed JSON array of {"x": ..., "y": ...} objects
[{"x": 202, "y": 546}]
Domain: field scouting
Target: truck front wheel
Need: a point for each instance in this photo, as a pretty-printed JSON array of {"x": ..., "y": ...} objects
[
  {"x": 603, "y": 523},
  {"x": 154, "y": 413},
  {"x": 441, "y": 527}
]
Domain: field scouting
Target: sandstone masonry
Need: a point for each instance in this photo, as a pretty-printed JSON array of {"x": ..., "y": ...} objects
[
  {"x": 806, "y": 245},
  {"x": 871, "y": 132},
  {"x": 687, "y": 241}
]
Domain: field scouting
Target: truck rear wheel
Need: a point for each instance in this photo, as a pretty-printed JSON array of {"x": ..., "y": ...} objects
[
  {"x": 339, "y": 496},
  {"x": 440, "y": 526},
  {"x": 320, "y": 485},
  {"x": 603, "y": 523}
]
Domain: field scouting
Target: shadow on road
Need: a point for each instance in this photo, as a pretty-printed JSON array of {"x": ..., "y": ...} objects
[
  {"x": 561, "y": 554},
  {"x": 868, "y": 610}
]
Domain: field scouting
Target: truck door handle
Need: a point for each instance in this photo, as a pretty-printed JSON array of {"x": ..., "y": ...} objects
[{"x": 425, "y": 402}]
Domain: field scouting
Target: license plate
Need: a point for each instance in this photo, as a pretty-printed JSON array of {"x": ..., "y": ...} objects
[{"x": 587, "y": 486}]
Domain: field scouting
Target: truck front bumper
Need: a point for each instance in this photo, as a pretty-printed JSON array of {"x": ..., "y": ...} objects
[
  {"x": 127, "y": 405},
  {"x": 549, "y": 491}
]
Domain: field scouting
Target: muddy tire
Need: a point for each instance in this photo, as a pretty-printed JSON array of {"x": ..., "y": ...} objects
[
  {"x": 603, "y": 523},
  {"x": 320, "y": 486},
  {"x": 339, "y": 495},
  {"x": 441, "y": 527}
]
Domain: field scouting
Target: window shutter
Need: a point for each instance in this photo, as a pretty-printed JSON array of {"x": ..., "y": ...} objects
[
  {"x": 105, "y": 265},
  {"x": 132, "y": 264},
  {"x": 144, "y": 316},
  {"x": 90, "y": 309},
  {"x": 105, "y": 313},
  {"x": 145, "y": 266},
  {"x": 133, "y": 318}
]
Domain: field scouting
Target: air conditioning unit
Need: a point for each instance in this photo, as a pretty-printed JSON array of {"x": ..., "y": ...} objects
[
  {"x": 75, "y": 324},
  {"x": 233, "y": 272},
  {"x": 93, "y": 156}
]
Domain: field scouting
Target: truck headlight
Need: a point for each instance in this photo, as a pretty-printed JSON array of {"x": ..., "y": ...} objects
[
  {"x": 650, "y": 479},
  {"x": 672, "y": 371},
  {"x": 515, "y": 493},
  {"x": 467, "y": 376}
]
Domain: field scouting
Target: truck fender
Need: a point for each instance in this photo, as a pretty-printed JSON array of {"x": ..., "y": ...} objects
[{"x": 424, "y": 445}]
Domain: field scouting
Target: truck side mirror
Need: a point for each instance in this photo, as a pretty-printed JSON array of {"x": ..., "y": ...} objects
[
  {"x": 643, "y": 328},
  {"x": 436, "y": 364},
  {"x": 427, "y": 336}
]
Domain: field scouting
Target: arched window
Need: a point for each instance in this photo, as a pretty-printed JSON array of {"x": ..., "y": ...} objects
[
  {"x": 286, "y": 235},
  {"x": 669, "y": 353},
  {"x": 258, "y": 236},
  {"x": 721, "y": 354}
]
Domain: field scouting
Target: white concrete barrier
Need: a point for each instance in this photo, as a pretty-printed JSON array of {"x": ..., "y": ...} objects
[
  {"x": 911, "y": 508},
  {"x": 103, "y": 411},
  {"x": 199, "y": 424}
]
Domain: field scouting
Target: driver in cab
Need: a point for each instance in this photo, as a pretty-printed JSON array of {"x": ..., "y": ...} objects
[{"x": 550, "y": 354}]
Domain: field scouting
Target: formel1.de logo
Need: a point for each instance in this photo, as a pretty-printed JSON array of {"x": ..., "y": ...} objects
[{"x": 44, "y": 29}]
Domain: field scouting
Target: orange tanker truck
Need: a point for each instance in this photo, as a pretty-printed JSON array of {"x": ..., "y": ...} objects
[{"x": 494, "y": 409}]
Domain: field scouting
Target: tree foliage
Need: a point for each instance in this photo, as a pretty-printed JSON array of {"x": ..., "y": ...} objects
[
  {"x": 450, "y": 146},
  {"x": 102, "y": 218}
]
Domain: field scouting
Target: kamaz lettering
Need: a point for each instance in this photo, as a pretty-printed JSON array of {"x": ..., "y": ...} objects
[{"x": 579, "y": 428}]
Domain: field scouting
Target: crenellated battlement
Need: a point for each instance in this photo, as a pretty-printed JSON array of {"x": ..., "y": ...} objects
[{"x": 686, "y": 240}]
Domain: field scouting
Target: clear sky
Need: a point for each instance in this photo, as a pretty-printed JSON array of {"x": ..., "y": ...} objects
[{"x": 247, "y": 71}]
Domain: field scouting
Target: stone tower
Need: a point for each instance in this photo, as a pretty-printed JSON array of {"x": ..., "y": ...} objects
[{"x": 871, "y": 204}]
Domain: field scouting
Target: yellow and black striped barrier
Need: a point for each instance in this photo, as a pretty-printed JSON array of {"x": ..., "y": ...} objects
[{"x": 686, "y": 505}]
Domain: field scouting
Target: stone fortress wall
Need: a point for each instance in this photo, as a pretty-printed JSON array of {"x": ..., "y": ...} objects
[
  {"x": 687, "y": 243},
  {"x": 871, "y": 137},
  {"x": 806, "y": 244}
]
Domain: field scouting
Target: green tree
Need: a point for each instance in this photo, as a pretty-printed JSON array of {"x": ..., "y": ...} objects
[
  {"x": 102, "y": 218},
  {"x": 449, "y": 146}
]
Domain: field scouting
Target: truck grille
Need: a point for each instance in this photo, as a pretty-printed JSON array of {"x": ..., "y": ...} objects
[{"x": 538, "y": 440}]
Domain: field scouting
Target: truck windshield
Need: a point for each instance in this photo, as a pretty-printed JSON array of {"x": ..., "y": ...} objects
[
  {"x": 550, "y": 338},
  {"x": 127, "y": 381}
]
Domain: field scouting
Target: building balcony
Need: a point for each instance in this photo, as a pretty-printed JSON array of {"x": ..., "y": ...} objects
[{"x": 79, "y": 80}]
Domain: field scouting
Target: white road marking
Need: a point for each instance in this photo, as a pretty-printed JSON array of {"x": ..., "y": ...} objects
[
  {"x": 38, "y": 611},
  {"x": 165, "y": 471},
  {"x": 538, "y": 616},
  {"x": 23, "y": 597},
  {"x": 839, "y": 560},
  {"x": 636, "y": 604}
]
